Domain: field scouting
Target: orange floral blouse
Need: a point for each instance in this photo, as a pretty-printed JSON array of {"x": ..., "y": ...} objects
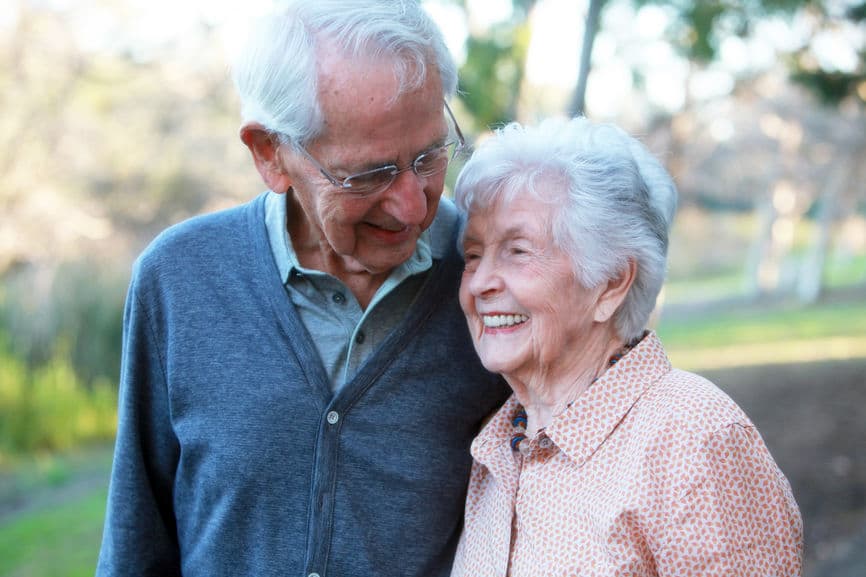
[{"x": 652, "y": 471}]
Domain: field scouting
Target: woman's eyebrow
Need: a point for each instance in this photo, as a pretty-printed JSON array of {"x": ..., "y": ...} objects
[{"x": 470, "y": 239}]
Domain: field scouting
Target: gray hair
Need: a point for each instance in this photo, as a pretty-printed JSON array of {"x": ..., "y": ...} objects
[
  {"x": 614, "y": 201},
  {"x": 276, "y": 72}
]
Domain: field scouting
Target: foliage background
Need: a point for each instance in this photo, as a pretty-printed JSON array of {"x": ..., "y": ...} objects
[{"x": 119, "y": 120}]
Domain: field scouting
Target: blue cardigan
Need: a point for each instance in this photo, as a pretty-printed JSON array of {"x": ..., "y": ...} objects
[{"x": 234, "y": 457}]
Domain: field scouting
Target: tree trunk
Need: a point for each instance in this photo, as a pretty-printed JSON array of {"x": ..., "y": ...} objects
[
  {"x": 578, "y": 99},
  {"x": 810, "y": 283},
  {"x": 760, "y": 249}
]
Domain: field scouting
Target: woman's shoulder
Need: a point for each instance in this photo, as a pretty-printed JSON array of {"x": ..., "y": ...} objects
[{"x": 689, "y": 402}]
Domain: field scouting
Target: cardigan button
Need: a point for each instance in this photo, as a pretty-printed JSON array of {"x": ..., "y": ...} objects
[{"x": 333, "y": 417}]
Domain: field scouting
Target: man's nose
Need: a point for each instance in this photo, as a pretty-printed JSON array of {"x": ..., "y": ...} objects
[{"x": 406, "y": 198}]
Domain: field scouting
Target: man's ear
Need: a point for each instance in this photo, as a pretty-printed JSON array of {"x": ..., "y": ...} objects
[
  {"x": 615, "y": 292},
  {"x": 266, "y": 154}
]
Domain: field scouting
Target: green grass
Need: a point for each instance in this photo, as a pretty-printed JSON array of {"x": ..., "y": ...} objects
[
  {"x": 718, "y": 286},
  {"x": 762, "y": 325},
  {"x": 51, "y": 513},
  {"x": 765, "y": 335},
  {"x": 56, "y": 540},
  {"x": 841, "y": 272}
]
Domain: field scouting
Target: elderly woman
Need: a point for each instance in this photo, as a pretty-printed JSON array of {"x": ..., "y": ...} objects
[{"x": 605, "y": 460}]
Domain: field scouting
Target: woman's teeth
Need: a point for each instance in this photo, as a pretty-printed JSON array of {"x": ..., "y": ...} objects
[{"x": 498, "y": 321}]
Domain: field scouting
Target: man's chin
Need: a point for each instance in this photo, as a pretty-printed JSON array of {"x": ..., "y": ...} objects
[{"x": 385, "y": 260}]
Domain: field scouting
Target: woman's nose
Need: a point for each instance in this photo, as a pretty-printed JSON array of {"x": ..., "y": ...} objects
[{"x": 485, "y": 280}]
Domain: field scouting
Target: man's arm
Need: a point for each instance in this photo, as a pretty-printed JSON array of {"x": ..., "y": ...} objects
[{"x": 140, "y": 536}]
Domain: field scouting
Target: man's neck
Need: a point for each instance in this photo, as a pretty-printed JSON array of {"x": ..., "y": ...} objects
[{"x": 361, "y": 282}]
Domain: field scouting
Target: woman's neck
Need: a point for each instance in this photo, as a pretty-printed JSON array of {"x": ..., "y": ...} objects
[{"x": 547, "y": 391}]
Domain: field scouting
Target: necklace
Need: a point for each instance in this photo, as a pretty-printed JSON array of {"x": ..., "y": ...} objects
[{"x": 521, "y": 419}]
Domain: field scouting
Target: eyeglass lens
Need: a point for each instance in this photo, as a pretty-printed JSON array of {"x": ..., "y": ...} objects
[{"x": 427, "y": 164}]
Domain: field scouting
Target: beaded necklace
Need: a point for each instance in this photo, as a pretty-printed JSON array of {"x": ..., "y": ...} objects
[{"x": 521, "y": 418}]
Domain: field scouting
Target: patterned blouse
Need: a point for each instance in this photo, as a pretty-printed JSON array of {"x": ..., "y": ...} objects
[{"x": 652, "y": 471}]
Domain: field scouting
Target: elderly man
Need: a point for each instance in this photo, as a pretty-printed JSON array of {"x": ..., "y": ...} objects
[{"x": 299, "y": 389}]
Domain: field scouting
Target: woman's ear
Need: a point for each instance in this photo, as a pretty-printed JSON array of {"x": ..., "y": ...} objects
[
  {"x": 615, "y": 292},
  {"x": 266, "y": 154}
]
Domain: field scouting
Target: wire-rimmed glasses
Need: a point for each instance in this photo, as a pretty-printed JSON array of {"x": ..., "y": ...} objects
[{"x": 369, "y": 182}]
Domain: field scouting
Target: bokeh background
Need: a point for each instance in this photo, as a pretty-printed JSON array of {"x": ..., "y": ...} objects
[{"x": 117, "y": 119}]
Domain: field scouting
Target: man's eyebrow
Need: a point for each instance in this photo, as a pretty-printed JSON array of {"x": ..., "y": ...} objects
[{"x": 376, "y": 164}]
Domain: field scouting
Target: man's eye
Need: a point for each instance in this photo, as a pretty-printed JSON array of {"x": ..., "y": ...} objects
[
  {"x": 369, "y": 180},
  {"x": 432, "y": 162}
]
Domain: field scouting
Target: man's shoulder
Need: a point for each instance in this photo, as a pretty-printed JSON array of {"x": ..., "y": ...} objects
[
  {"x": 200, "y": 238},
  {"x": 445, "y": 230}
]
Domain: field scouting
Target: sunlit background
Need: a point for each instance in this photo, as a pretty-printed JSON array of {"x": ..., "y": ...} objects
[{"x": 117, "y": 119}]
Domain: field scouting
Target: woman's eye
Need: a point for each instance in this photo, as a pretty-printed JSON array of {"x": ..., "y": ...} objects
[{"x": 471, "y": 260}]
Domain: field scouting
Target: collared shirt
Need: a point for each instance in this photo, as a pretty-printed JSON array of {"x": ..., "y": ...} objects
[
  {"x": 652, "y": 471},
  {"x": 344, "y": 334}
]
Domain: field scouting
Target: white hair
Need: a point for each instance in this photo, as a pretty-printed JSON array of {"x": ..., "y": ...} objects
[
  {"x": 276, "y": 73},
  {"x": 614, "y": 201}
]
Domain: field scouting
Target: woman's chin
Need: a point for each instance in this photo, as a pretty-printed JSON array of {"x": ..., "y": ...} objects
[{"x": 497, "y": 365}]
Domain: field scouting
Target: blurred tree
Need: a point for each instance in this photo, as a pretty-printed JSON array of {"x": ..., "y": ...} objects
[
  {"x": 698, "y": 30},
  {"x": 109, "y": 133},
  {"x": 496, "y": 57},
  {"x": 492, "y": 73},
  {"x": 832, "y": 85},
  {"x": 104, "y": 142},
  {"x": 590, "y": 30}
]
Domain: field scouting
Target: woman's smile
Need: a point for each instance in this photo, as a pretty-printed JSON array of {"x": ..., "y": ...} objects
[{"x": 503, "y": 320}]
